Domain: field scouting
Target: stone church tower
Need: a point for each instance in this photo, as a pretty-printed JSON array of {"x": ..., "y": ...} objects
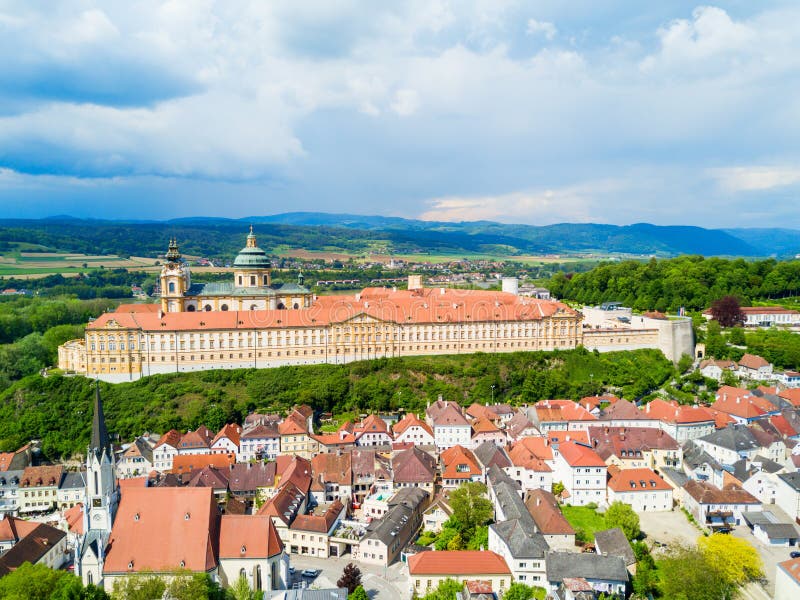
[
  {"x": 102, "y": 498},
  {"x": 175, "y": 280}
]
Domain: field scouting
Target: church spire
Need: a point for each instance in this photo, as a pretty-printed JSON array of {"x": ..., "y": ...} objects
[
  {"x": 251, "y": 239},
  {"x": 100, "y": 440},
  {"x": 173, "y": 254}
]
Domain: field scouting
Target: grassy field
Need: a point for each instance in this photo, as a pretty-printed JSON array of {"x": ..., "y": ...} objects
[
  {"x": 38, "y": 264},
  {"x": 587, "y": 519}
]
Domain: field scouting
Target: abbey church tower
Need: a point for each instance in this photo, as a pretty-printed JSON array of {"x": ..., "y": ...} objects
[{"x": 175, "y": 280}]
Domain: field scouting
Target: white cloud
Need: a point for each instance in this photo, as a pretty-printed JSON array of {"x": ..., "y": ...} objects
[
  {"x": 575, "y": 203},
  {"x": 543, "y": 28},
  {"x": 756, "y": 178},
  {"x": 406, "y": 102}
]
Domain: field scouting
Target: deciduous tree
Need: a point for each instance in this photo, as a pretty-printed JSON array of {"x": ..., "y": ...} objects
[
  {"x": 727, "y": 312},
  {"x": 623, "y": 516},
  {"x": 471, "y": 508},
  {"x": 351, "y": 578},
  {"x": 735, "y": 558}
]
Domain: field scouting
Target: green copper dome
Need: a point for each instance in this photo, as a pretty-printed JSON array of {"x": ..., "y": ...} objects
[{"x": 251, "y": 256}]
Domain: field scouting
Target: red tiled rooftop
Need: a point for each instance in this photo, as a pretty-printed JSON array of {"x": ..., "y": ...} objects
[{"x": 457, "y": 563}]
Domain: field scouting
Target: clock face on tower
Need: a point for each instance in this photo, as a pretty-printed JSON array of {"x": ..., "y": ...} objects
[
  {"x": 97, "y": 502},
  {"x": 96, "y": 517}
]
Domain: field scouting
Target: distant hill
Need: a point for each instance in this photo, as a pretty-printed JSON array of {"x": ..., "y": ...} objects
[{"x": 216, "y": 236}]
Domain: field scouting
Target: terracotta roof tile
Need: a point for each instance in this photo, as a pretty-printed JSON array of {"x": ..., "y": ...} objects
[
  {"x": 162, "y": 529},
  {"x": 457, "y": 563},
  {"x": 248, "y": 536},
  {"x": 637, "y": 480},
  {"x": 579, "y": 456}
]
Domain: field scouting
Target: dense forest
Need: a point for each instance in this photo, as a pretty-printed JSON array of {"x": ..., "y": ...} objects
[
  {"x": 57, "y": 409},
  {"x": 692, "y": 282}
]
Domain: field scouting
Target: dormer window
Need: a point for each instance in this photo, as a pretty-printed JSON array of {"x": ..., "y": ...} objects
[
  {"x": 186, "y": 517},
  {"x": 244, "y": 548},
  {"x": 183, "y": 564},
  {"x": 136, "y": 517},
  {"x": 130, "y": 565}
]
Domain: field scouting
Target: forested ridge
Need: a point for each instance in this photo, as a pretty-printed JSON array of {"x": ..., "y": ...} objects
[
  {"x": 692, "y": 282},
  {"x": 57, "y": 409}
]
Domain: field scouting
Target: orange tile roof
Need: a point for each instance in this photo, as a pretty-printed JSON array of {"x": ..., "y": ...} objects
[
  {"x": 410, "y": 420},
  {"x": 294, "y": 424},
  {"x": 232, "y": 431},
  {"x": 457, "y": 563},
  {"x": 562, "y": 410},
  {"x": 14, "y": 529},
  {"x": 163, "y": 529},
  {"x": 637, "y": 480},
  {"x": 746, "y": 407},
  {"x": 133, "y": 482},
  {"x": 484, "y": 425},
  {"x": 579, "y": 456},
  {"x": 199, "y": 438},
  {"x": 248, "y": 536},
  {"x": 186, "y": 463},
  {"x": 577, "y": 435},
  {"x": 522, "y": 457},
  {"x": 319, "y": 523},
  {"x": 402, "y": 306},
  {"x": 476, "y": 411},
  {"x": 455, "y": 456},
  {"x": 792, "y": 568},
  {"x": 538, "y": 446},
  {"x": 171, "y": 438},
  {"x": 672, "y": 412},
  {"x": 74, "y": 518},
  {"x": 372, "y": 424},
  {"x": 752, "y": 361},
  {"x": 792, "y": 395},
  {"x": 44, "y": 476},
  {"x": 543, "y": 507}
]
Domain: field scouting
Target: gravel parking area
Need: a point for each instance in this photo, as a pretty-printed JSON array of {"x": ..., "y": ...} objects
[{"x": 670, "y": 527}]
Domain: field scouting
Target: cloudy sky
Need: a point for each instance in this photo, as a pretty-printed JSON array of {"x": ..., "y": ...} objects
[{"x": 534, "y": 112}]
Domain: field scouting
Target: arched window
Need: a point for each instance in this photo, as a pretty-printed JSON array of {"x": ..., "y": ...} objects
[
  {"x": 190, "y": 308},
  {"x": 253, "y": 307},
  {"x": 281, "y": 306},
  {"x": 296, "y": 306},
  {"x": 89, "y": 578},
  {"x": 171, "y": 287},
  {"x": 207, "y": 307},
  {"x": 224, "y": 307}
]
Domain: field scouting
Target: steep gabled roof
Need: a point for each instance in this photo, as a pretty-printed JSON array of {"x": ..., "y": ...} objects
[
  {"x": 164, "y": 529},
  {"x": 230, "y": 431},
  {"x": 413, "y": 466},
  {"x": 579, "y": 456},
  {"x": 248, "y": 536},
  {"x": 543, "y": 507},
  {"x": 410, "y": 420},
  {"x": 457, "y": 563}
]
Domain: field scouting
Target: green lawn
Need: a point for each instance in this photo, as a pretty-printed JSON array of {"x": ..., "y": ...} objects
[{"x": 581, "y": 517}]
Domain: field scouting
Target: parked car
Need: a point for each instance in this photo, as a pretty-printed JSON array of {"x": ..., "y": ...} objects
[
  {"x": 310, "y": 572},
  {"x": 795, "y": 554}
]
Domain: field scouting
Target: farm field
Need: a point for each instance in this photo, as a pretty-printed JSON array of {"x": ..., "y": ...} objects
[{"x": 40, "y": 264}]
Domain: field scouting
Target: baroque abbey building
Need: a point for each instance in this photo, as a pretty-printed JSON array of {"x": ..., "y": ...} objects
[{"x": 250, "y": 322}]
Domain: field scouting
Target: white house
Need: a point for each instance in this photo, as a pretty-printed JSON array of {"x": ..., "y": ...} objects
[
  {"x": 450, "y": 426},
  {"x": 642, "y": 489},
  {"x": 259, "y": 441},
  {"x": 787, "y": 580},
  {"x": 412, "y": 430},
  {"x": 227, "y": 440},
  {"x": 787, "y": 493},
  {"x": 165, "y": 450},
  {"x": 582, "y": 472}
]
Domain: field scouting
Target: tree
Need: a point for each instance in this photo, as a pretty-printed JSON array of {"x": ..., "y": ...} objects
[
  {"x": 736, "y": 336},
  {"x": 240, "y": 590},
  {"x": 519, "y": 591},
  {"x": 142, "y": 586},
  {"x": 471, "y": 508},
  {"x": 456, "y": 542},
  {"x": 686, "y": 574},
  {"x": 685, "y": 363},
  {"x": 557, "y": 489},
  {"x": 727, "y": 312},
  {"x": 622, "y": 515},
  {"x": 446, "y": 590},
  {"x": 185, "y": 585},
  {"x": 736, "y": 559},
  {"x": 350, "y": 579},
  {"x": 38, "y": 582},
  {"x": 480, "y": 539},
  {"x": 358, "y": 594}
]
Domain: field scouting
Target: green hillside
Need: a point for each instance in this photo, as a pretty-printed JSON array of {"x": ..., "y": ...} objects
[{"x": 57, "y": 409}]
